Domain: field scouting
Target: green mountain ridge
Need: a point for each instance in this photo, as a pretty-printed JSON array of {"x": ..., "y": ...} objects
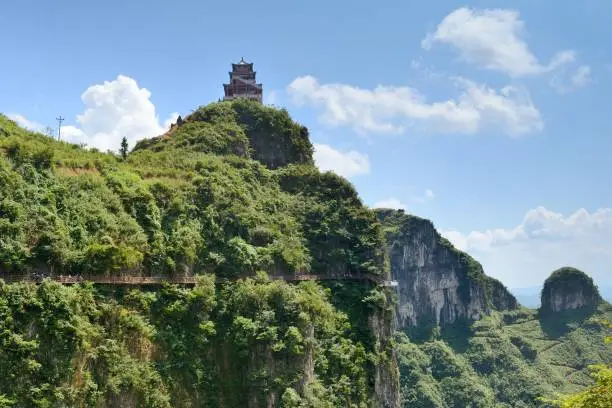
[
  {"x": 232, "y": 191},
  {"x": 181, "y": 206}
]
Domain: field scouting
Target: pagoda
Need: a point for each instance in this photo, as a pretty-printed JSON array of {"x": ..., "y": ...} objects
[{"x": 242, "y": 83}]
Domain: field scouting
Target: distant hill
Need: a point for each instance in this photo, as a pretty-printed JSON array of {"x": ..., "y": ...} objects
[{"x": 530, "y": 297}]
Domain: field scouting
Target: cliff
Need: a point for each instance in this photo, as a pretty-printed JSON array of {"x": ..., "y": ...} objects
[
  {"x": 437, "y": 284},
  {"x": 568, "y": 289}
]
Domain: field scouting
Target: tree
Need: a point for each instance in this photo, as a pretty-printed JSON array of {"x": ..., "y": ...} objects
[
  {"x": 596, "y": 396},
  {"x": 48, "y": 131},
  {"x": 124, "y": 148}
]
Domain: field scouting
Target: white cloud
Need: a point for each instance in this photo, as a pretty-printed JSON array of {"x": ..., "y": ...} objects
[
  {"x": 113, "y": 110},
  {"x": 545, "y": 240},
  {"x": 347, "y": 164},
  {"x": 582, "y": 76},
  {"x": 391, "y": 202},
  {"x": 73, "y": 134},
  {"x": 25, "y": 123},
  {"x": 580, "y": 79},
  {"x": 493, "y": 39},
  {"x": 429, "y": 194},
  {"x": 388, "y": 109}
]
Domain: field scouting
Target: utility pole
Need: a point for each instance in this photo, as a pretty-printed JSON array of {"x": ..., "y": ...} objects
[{"x": 59, "y": 127}]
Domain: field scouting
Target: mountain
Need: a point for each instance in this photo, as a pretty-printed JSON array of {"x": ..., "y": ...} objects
[
  {"x": 568, "y": 289},
  {"x": 230, "y": 195},
  {"x": 464, "y": 341},
  {"x": 279, "y": 284}
]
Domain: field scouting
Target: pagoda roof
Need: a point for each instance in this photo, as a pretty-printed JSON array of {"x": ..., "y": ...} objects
[{"x": 242, "y": 63}]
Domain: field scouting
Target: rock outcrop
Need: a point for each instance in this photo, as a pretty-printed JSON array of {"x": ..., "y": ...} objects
[
  {"x": 568, "y": 289},
  {"x": 242, "y": 128},
  {"x": 437, "y": 284},
  {"x": 386, "y": 373},
  {"x": 501, "y": 298}
]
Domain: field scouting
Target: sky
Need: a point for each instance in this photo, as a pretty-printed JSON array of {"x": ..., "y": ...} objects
[{"x": 491, "y": 118}]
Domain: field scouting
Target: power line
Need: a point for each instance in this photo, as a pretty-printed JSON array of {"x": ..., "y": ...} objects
[{"x": 59, "y": 127}]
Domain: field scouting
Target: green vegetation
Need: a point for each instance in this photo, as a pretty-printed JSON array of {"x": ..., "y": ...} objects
[
  {"x": 567, "y": 276},
  {"x": 228, "y": 193},
  {"x": 509, "y": 359},
  {"x": 595, "y": 396},
  {"x": 242, "y": 128},
  {"x": 191, "y": 201},
  {"x": 124, "y": 149},
  {"x": 216, "y": 345}
]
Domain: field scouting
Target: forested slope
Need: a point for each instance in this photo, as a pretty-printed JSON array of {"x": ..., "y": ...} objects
[
  {"x": 184, "y": 204},
  {"x": 231, "y": 192},
  {"x": 509, "y": 359}
]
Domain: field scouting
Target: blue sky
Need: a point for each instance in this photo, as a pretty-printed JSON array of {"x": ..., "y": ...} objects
[{"x": 491, "y": 118}]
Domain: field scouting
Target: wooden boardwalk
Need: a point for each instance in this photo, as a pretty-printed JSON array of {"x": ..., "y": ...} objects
[{"x": 181, "y": 280}]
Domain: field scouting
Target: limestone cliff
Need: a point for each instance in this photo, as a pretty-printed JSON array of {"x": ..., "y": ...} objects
[
  {"x": 501, "y": 298},
  {"x": 437, "y": 284},
  {"x": 386, "y": 373},
  {"x": 567, "y": 289}
]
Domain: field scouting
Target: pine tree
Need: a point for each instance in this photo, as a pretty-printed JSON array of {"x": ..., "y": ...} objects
[{"x": 124, "y": 148}]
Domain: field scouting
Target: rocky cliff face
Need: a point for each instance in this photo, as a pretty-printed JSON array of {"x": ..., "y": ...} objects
[
  {"x": 437, "y": 284},
  {"x": 567, "y": 289},
  {"x": 501, "y": 298},
  {"x": 386, "y": 372}
]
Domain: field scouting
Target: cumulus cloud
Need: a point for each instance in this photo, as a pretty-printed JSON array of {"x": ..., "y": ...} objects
[
  {"x": 113, "y": 110},
  {"x": 545, "y": 240},
  {"x": 388, "y": 109},
  {"x": 25, "y": 123},
  {"x": 493, "y": 39},
  {"x": 347, "y": 164},
  {"x": 580, "y": 79},
  {"x": 391, "y": 202}
]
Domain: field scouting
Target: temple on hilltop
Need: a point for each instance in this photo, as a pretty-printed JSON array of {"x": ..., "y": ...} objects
[{"x": 242, "y": 83}]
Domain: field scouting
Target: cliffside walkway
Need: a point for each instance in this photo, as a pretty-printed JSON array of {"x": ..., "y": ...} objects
[{"x": 183, "y": 280}]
